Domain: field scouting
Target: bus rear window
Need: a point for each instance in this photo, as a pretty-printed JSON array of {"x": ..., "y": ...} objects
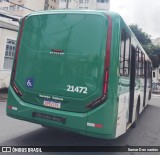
[{"x": 75, "y": 32}]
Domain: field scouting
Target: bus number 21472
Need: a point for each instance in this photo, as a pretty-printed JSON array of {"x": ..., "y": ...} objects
[{"x": 77, "y": 89}]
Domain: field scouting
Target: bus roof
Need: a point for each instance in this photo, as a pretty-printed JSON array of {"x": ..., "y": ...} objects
[{"x": 112, "y": 14}]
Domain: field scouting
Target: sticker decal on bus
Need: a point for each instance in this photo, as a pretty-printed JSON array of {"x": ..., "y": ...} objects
[
  {"x": 77, "y": 89},
  {"x": 29, "y": 82}
]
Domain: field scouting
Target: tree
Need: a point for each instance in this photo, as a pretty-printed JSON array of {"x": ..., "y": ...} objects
[
  {"x": 154, "y": 54},
  {"x": 152, "y": 50},
  {"x": 142, "y": 37}
]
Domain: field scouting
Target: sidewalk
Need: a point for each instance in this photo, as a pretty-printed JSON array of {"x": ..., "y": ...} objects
[{"x": 3, "y": 97}]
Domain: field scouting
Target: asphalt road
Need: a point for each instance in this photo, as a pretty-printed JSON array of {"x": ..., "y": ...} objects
[{"x": 19, "y": 133}]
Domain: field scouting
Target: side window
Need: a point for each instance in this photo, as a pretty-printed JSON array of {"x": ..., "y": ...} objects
[
  {"x": 122, "y": 53},
  {"x": 141, "y": 63},
  {"x": 154, "y": 74},
  {"x": 9, "y": 54},
  {"x": 150, "y": 74},
  {"x": 149, "y": 70},
  {"x": 140, "y": 60},
  {"x": 125, "y": 53}
]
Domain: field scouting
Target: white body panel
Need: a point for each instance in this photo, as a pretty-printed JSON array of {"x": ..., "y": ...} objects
[{"x": 123, "y": 110}]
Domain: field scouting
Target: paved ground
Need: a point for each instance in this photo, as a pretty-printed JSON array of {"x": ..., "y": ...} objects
[
  {"x": 20, "y": 133},
  {"x": 3, "y": 94},
  {"x": 3, "y": 97}
]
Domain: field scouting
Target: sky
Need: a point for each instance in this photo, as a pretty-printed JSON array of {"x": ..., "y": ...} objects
[{"x": 144, "y": 13}]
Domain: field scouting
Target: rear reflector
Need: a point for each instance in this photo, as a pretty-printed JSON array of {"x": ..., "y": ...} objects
[
  {"x": 11, "y": 107},
  {"x": 18, "y": 92},
  {"x": 98, "y": 126},
  {"x": 94, "y": 125}
]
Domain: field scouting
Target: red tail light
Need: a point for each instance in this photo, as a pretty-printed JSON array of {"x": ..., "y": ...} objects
[
  {"x": 9, "y": 107},
  {"x": 18, "y": 92},
  {"x": 98, "y": 126},
  {"x": 105, "y": 83},
  {"x": 16, "y": 60},
  {"x": 106, "y": 68}
]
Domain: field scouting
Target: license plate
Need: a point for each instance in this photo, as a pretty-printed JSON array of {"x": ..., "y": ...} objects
[
  {"x": 52, "y": 104},
  {"x": 49, "y": 117}
]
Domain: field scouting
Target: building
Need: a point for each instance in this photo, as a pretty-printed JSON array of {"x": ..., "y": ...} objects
[
  {"x": 156, "y": 80},
  {"x": 85, "y": 4},
  {"x": 24, "y": 7},
  {"x": 8, "y": 32},
  {"x": 156, "y": 75},
  {"x": 51, "y": 4}
]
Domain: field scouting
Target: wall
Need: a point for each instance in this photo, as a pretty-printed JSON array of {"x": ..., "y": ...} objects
[
  {"x": 5, "y": 74},
  {"x": 36, "y": 5},
  {"x": 91, "y": 5},
  {"x": 156, "y": 79}
]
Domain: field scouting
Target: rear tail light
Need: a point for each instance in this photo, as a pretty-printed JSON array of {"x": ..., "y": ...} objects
[
  {"x": 98, "y": 126},
  {"x": 9, "y": 107},
  {"x": 106, "y": 68},
  {"x": 16, "y": 60},
  {"x": 18, "y": 92},
  {"x": 105, "y": 83}
]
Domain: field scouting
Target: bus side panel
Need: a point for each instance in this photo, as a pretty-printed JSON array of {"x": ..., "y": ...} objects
[
  {"x": 123, "y": 114},
  {"x": 120, "y": 85},
  {"x": 104, "y": 115}
]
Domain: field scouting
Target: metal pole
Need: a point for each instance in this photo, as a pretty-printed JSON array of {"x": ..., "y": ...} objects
[{"x": 67, "y": 3}]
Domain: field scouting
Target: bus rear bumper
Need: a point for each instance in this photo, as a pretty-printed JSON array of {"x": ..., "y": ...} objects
[{"x": 73, "y": 121}]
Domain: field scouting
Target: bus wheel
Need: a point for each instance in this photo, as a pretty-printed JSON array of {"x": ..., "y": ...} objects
[{"x": 136, "y": 115}]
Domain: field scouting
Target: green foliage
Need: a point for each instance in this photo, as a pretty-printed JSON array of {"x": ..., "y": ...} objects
[
  {"x": 142, "y": 37},
  {"x": 154, "y": 54},
  {"x": 152, "y": 50}
]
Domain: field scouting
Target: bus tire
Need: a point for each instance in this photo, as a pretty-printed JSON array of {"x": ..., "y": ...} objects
[{"x": 136, "y": 115}]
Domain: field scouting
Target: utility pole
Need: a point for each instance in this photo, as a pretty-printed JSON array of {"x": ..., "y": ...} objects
[{"x": 67, "y": 3}]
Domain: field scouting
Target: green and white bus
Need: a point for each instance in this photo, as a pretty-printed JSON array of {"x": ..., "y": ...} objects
[{"x": 82, "y": 71}]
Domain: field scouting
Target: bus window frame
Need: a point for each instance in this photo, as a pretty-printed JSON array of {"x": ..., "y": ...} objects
[
  {"x": 123, "y": 56},
  {"x": 140, "y": 63}
]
